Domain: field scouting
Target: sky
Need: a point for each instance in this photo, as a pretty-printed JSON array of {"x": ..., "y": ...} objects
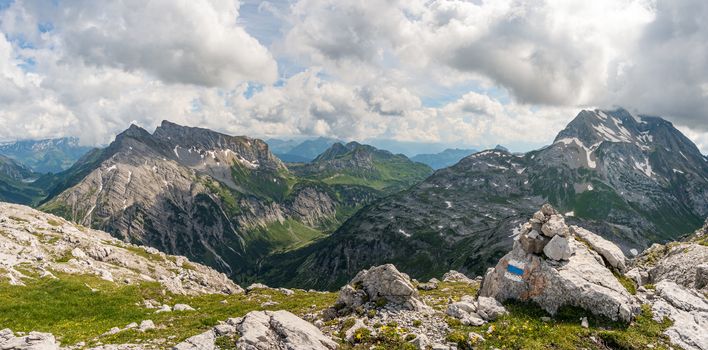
[{"x": 460, "y": 73}]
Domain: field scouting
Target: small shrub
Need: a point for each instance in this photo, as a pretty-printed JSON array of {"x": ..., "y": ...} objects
[
  {"x": 371, "y": 313},
  {"x": 417, "y": 323},
  {"x": 457, "y": 337},
  {"x": 381, "y": 302},
  {"x": 362, "y": 335},
  {"x": 348, "y": 323},
  {"x": 226, "y": 342},
  {"x": 626, "y": 282},
  {"x": 18, "y": 219}
]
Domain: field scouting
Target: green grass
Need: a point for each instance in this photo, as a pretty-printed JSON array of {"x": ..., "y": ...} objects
[
  {"x": 524, "y": 329},
  {"x": 626, "y": 282},
  {"x": 69, "y": 309},
  {"x": 18, "y": 219},
  {"x": 285, "y": 236},
  {"x": 349, "y": 179},
  {"x": 438, "y": 298},
  {"x": 53, "y": 222}
]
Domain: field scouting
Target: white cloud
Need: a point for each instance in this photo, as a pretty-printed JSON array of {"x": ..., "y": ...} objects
[
  {"x": 458, "y": 72},
  {"x": 177, "y": 41}
]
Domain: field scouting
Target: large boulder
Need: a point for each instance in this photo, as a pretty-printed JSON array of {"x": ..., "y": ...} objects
[
  {"x": 202, "y": 341},
  {"x": 466, "y": 312},
  {"x": 381, "y": 283},
  {"x": 489, "y": 308},
  {"x": 558, "y": 248},
  {"x": 582, "y": 281},
  {"x": 32, "y": 341},
  {"x": 266, "y": 330},
  {"x": 455, "y": 276},
  {"x": 608, "y": 250}
]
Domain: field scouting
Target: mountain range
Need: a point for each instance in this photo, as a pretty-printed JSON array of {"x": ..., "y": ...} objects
[
  {"x": 45, "y": 156},
  {"x": 15, "y": 182},
  {"x": 443, "y": 159},
  {"x": 231, "y": 203},
  {"x": 223, "y": 200},
  {"x": 292, "y": 151},
  {"x": 634, "y": 179}
]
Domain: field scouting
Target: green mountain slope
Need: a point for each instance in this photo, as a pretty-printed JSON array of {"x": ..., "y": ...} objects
[{"x": 357, "y": 164}]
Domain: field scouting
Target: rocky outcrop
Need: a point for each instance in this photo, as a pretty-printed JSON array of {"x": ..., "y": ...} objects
[
  {"x": 32, "y": 341},
  {"x": 608, "y": 250},
  {"x": 466, "y": 311},
  {"x": 476, "y": 312},
  {"x": 677, "y": 271},
  {"x": 685, "y": 263},
  {"x": 688, "y": 312},
  {"x": 262, "y": 330},
  {"x": 266, "y": 330},
  {"x": 455, "y": 276},
  {"x": 380, "y": 285},
  {"x": 45, "y": 243},
  {"x": 576, "y": 276}
]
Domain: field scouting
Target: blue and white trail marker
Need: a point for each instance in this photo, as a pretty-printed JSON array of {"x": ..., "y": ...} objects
[{"x": 514, "y": 270}]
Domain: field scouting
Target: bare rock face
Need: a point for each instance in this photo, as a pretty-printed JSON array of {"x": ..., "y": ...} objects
[
  {"x": 32, "y": 341},
  {"x": 687, "y": 309},
  {"x": 685, "y": 263},
  {"x": 612, "y": 253},
  {"x": 385, "y": 283},
  {"x": 48, "y": 243},
  {"x": 266, "y": 330},
  {"x": 568, "y": 273}
]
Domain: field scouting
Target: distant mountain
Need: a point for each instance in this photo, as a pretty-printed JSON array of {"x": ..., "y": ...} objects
[
  {"x": 443, "y": 159},
  {"x": 16, "y": 182},
  {"x": 45, "y": 156},
  {"x": 278, "y": 146},
  {"x": 292, "y": 151},
  {"x": 501, "y": 148},
  {"x": 635, "y": 180},
  {"x": 312, "y": 148},
  {"x": 357, "y": 164}
]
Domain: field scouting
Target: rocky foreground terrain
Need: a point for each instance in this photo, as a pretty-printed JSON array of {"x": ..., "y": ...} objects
[{"x": 563, "y": 287}]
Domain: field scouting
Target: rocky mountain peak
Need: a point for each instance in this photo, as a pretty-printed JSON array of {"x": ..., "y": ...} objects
[
  {"x": 193, "y": 144},
  {"x": 592, "y": 127}
]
